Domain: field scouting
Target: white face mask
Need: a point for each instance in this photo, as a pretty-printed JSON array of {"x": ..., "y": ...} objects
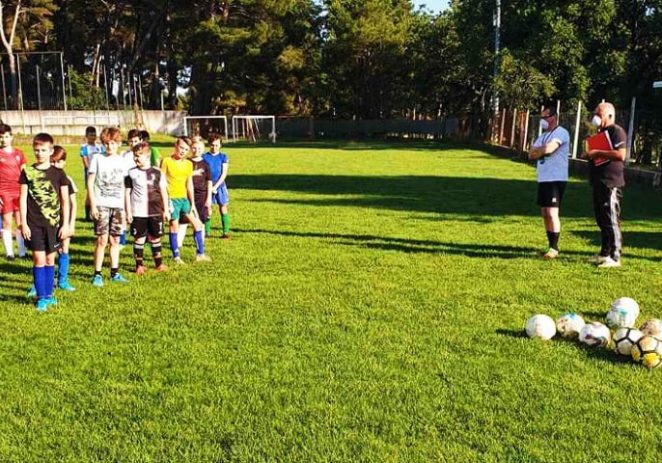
[
  {"x": 596, "y": 121},
  {"x": 544, "y": 125}
]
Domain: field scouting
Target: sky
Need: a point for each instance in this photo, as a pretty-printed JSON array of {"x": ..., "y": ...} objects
[{"x": 434, "y": 5}]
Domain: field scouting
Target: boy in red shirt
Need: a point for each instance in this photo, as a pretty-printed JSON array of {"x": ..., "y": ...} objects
[{"x": 12, "y": 161}]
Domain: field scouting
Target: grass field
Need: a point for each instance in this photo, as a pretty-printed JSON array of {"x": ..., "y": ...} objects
[{"x": 369, "y": 307}]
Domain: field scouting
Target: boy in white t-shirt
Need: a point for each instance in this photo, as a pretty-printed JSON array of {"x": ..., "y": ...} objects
[
  {"x": 551, "y": 151},
  {"x": 105, "y": 188}
]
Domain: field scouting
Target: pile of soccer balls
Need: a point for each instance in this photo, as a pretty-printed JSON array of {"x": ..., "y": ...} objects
[{"x": 643, "y": 344}]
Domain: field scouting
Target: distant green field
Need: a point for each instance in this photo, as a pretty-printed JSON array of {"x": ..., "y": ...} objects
[{"x": 369, "y": 307}]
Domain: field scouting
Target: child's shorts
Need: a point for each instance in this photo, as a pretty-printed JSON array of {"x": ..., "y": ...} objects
[
  {"x": 43, "y": 239},
  {"x": 147, "y": 226},
  {"x": 110, "y": 221},
  {"x": 10, "y": 202},
  {"x": 221, "y": 196},
  {"x": 180, "y": 207}
]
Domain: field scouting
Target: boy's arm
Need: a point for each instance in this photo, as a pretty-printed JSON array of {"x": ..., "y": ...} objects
[
  {"x": 64, "y": 210},
  {"x": 190, "y": 194},
  {"x": 23, "y": 209},
  {"x": 127, "y": 204},
  {"x": 166, "y": 200},
  {"x": 72, "y": 216},
  {"x": 90, "y": 194}
]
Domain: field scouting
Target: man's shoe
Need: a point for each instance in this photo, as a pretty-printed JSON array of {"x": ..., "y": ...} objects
[
  {"x": 118, "y": 278},
  {"x": 598, "y": 259},
  {"x": 610, "y": 263},
  {"x": 140, "y": 270},
  {"x": 550, "y": 254},
  {"x": 97, "y": 281},
  {"x": 202, "y": 258},
  {"x": 65, "y": 286},
  {"x": 42, "y": 305}
]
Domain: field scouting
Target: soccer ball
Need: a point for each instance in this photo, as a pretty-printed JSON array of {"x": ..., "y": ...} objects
[
  {"x": 569, "y": 325},
  {"x": 595, "y": 334},
  {"x": 623, "y": 313},
  {"x": 648, "y": 351},
  {"x": 624, "y": 339},
  {"x": 540, "y": 326},
  {"x": 652, "y": 327}
]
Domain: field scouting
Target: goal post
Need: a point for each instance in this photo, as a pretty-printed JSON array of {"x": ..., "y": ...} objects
[
  {"x": 254, "y": 128},
  {"x": 204, "y": 125}
]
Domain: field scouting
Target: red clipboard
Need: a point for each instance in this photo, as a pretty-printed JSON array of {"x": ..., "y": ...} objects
[{"x": 600, "y": 141}]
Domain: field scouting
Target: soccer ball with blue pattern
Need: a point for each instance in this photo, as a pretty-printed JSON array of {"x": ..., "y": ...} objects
[
  {"x": 623, "y": 313},
  {"x": 595, "y": 334},
  {"x": 569, "y": 325}
]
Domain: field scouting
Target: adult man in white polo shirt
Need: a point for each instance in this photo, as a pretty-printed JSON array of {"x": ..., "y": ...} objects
[{"x": 551, "y": 151}]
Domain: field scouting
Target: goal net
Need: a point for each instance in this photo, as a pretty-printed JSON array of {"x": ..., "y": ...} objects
[
  {"x": 206, "y": 125},
  {"x": 254, "y": 128}
]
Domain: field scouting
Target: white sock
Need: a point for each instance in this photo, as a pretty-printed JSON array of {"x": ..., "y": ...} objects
[
  {"x": 7, "y": 240},
  {"x": 21, "y": 243},
  {"x": 181, "y": 234}
]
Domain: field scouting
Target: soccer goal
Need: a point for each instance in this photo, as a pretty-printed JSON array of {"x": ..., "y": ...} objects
[
  {"x": 254, "y": 128},
  {"x": 205, "y": 125}
]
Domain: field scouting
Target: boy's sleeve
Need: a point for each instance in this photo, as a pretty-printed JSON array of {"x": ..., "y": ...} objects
[
  {"x": 83, "y": 151},
  {"x": 23, "y": 178},
  {"x": 22, "y": 161},
  {"x": 72, "y": 185},
  {"x": 94, "y": 165},
  {"x": 128, "y": 183},
  {"x": 207, "y": 173}
]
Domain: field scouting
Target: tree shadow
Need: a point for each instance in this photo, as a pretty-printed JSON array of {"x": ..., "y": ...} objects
[
  {"x": 632, "y": 239},
  {"x": 480, "y": 196}
]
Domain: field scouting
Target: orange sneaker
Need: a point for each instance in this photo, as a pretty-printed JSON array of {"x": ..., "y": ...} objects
[
  {"x": 140, "y": 270},
  {"x": 161, "y": 268}
]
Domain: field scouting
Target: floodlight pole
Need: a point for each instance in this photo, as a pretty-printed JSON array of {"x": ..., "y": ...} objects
[
  {"x": 497, "y": 44},
  {"x": 64, "y": 87}
]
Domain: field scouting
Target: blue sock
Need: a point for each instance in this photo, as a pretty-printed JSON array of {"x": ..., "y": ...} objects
[
  {"x": 199, "y": 242},
  {"x": 173, "y": 245},
  {"x": 63, "y": 269},
  {"x": 123, "y": 238},
  {"x": 49, "y": 277},
  {"x": 39, "y": 273}
]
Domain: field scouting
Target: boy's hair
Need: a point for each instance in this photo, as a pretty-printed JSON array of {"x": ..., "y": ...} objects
[
  {"x": 110, "y": 133},
  {"x": 90, "y": 130},
  {"x": 186, "y": 140},
  {"x": 197, "y": 138},
  {"x": 215, "y": 136},
  {"x": 133, "y": 133},
  {"x": 4, "y": 128},
  {"x": 59, "y": 154},
  {"x": 42, "y": 139},
  {"x": 144, "y": 134},
  {"x": 141, "y": 148}
]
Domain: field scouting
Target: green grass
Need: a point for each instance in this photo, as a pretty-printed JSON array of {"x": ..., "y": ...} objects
[{"x": 369, "y": 307}]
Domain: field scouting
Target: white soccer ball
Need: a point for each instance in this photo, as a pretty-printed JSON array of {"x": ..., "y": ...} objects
[
  {"x": 624, "y": 339},
  {"x": 652, "y": 327},
  {"x": 569, "y": 325},
  {"x": 595, "y": 334},
  {"x": 541, "y": 327},
  {"x": 623, "y": 313}
]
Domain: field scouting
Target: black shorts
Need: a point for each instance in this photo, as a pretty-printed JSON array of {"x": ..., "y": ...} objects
[
  {"x": 144, "y": 226},
  {"x": 550, "y": 194},
  {"x": 43, "y": 239}
]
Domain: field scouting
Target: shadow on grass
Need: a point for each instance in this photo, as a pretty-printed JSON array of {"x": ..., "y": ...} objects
[
  {"x": 634, "y": 239},
  {"x": 481, "y": 196},
  {"x": 519, "y": 334}
]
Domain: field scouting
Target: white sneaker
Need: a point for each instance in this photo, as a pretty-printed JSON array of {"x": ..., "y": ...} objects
[
  {"x": 598, "y": 259},
  {"x": 609, "y": 263},
  {"x": 178, "y": 260},
  {"x": 550, "y": 254}
]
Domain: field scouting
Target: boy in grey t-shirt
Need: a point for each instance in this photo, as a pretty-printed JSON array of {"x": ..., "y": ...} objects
[{"x": 551, "y": 151}]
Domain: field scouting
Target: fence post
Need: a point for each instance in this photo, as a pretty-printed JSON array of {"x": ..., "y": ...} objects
[
  {"x": 512, "y": 129},
  {"x": 501, "y": 127},
  {"x": 577, "y": 122},
  {"x": 526, "y": 132},
  {"x": 630, "y": 130}
]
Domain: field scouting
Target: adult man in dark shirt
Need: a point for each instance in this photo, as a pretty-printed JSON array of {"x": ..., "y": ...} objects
[{"x": 608, "y": 180}]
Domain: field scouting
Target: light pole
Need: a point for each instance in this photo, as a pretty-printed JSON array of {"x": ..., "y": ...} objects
[{"x": 497, "y": 40}]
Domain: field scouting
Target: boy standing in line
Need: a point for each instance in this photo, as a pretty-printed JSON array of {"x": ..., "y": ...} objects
[
  {"x": 87, "y": 151},
  {"x": 201, "y": 189},
  {"x": 105, "y": 189},
  {"x": 218, "y": 166},
  {"x": 12, "y": 162},
  {"x": 44, "y": 205},
  {"x": 155, "y": 156},
  {"x": 146, "y": 207},
  {"x": 179, "y": 176}
]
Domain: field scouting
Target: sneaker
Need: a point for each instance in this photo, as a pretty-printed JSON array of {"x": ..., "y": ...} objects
[
  {"x": 202, "y": 258},
  {"x": 97, "y": 281},
  {"x": 32, "y": 292},
  {"x": 178, "y": 260},
  {"x": 225, "y": 236},
  {"x": 42, "y": 305},
  {"x": 161, "y": 268},
  {"x": 140, "y": 270},
  {"x": 597, "y": 259},
  {"x": 65, "y": 286},
  {"x": 51, "y": 301},
  {"x": 118, "y": 278},
  {"x": 610, "y": 263},
  {"x": 550, "y": 254}
]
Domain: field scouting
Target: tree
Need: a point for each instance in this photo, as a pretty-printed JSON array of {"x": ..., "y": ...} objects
[{"x": 8, "y": 43}]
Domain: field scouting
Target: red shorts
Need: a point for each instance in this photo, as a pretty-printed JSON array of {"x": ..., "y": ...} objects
[{"x": 9, "y": 202}]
